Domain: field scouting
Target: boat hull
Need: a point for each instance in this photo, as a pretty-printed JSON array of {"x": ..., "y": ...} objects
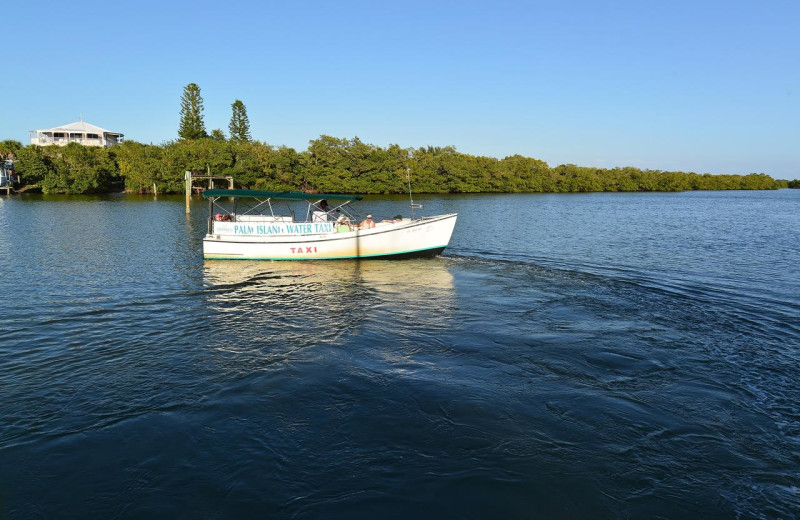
[{"x": 408, "y": 239}]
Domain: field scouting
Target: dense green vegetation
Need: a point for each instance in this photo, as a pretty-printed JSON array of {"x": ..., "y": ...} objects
[
  {"x": 8, "y": 148},
  {"x": 333, "y": 164}
]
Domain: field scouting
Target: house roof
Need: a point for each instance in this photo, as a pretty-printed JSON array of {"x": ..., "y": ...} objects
[{"x": 82, "y": 127}]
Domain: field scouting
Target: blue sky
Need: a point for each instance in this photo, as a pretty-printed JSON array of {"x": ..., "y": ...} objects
[{"x": 695, "y": 86}]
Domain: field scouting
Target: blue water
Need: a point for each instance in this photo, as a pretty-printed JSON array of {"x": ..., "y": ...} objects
[{"x": 570, "y": 356}]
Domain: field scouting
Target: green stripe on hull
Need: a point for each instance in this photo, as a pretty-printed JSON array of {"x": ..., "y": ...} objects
[{"x": 385, "y": 255}]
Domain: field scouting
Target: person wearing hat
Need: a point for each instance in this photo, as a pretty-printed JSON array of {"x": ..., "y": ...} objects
[
  {"x": 367, "y": 223},
  {"x": 342, "y": 224}
]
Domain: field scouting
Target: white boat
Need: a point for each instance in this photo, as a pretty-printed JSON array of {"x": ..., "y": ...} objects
[{"x": 242, "y": 225}]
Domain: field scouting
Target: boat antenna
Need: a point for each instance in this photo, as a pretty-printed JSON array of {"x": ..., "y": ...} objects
[{"x": 411, "y": 198}]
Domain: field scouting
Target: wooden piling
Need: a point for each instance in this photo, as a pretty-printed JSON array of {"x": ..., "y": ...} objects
[{"x": 188, "y": 178}]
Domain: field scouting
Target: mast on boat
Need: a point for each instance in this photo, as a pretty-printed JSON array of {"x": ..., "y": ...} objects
[{"x": 410, "y": 196}]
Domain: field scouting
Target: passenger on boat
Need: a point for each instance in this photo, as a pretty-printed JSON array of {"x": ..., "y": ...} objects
[
  {"x": 343, "y": 225},
  {"x": 321, "y": 215},
  {"x": 367, "y": 223}
]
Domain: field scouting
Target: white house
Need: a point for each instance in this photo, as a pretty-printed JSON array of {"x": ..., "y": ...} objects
[{"x": 77, "y": 132}]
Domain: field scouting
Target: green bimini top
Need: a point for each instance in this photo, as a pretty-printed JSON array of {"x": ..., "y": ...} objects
[{"x": 282, "y": 195}]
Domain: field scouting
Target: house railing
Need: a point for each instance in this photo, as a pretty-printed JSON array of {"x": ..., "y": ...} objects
[{"x": 46, "y": 140}]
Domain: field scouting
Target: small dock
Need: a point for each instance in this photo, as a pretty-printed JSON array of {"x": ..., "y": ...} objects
[{"x": 204, "y": 177}]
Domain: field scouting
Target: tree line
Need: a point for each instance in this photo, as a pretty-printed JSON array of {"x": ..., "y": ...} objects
[{"x": 330, "y": 164}]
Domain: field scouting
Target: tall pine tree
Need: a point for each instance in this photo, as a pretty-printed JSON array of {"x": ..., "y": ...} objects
[
  {"x": 239, "y": 126},
  {"x": 192, "y": 125}
]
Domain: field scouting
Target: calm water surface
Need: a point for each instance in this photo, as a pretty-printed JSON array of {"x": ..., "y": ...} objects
[{"x": 570, "y": 356}]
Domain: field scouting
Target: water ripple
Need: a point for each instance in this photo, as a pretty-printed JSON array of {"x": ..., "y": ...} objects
[{"x": 628, "y": 371}]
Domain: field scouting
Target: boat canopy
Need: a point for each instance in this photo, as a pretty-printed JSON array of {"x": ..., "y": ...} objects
[{"x": 281, "y": 195}]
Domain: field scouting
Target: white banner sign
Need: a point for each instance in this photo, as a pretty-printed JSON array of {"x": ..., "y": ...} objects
[{"x": 272, "y": 228}]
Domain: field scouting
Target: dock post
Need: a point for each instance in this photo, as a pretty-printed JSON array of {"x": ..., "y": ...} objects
[{"x": 188, "y": 178}]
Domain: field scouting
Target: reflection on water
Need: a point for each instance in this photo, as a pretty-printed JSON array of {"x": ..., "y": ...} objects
[
  {"x": 274, "y": 309},
  {"x": 389, "y": 276}
]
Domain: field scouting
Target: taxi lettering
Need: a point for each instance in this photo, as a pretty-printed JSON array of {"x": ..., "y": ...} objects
[{"x": 305, "y": 249}]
